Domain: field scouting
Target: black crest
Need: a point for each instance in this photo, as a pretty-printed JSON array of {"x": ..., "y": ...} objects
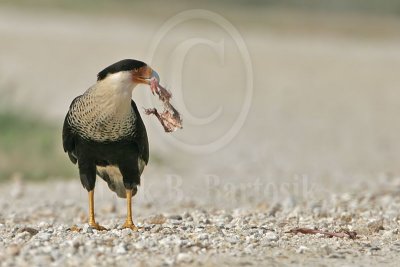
[{"x": 123, "y": 65}]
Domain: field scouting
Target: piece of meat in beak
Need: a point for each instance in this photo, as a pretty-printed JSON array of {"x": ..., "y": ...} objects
[
  {"x": 146, "y": 75},
  {"x": 170, "y": 117}
]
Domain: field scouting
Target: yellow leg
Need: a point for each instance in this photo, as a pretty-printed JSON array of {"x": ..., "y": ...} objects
[
  {"x": 129, "y": 222},
  {"x": 92, "y": 222}
]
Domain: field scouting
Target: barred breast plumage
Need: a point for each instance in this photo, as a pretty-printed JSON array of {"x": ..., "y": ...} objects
[{"x": 94, "y": 119}]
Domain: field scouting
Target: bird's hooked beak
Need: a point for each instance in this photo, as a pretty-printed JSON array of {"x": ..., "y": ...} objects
[{"x": 144, "y": 75}]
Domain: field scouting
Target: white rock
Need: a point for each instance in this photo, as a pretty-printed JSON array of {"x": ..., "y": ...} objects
[
  {"x": 387, "y": 234},
  {"x": 47, "y": 249},
  {"x": 121, "y": 249},
  {"x": 139, "y": 245},
  {"x": 44, "y": 224},
  {"x": 62, "y": 227},
  {"x": 302, "y": 249},
  {"x": 22, "y": 235},
  {"x": 184, "y": 258},
  {"x": 44, "y": 236},
  {"x": 169, "y": 261},
  {"x": 271, "y": 236}
]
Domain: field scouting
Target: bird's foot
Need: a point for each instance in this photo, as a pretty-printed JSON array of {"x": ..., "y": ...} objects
[
  {"x": 97, "y": 226},
  {"x": 130, "y": 225}
]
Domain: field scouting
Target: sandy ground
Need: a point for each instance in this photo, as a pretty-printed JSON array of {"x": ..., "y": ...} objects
[{"x": 322, "y": 124}]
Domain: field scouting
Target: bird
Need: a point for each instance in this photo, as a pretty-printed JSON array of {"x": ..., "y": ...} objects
[{"x": 104, "y": 134}]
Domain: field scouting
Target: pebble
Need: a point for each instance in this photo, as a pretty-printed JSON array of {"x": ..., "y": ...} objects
[
  {"x": 176, "y": 222},
  {"x": 156, "y": 229},
  {"x": 31, "y": 231},
  {"x": 302, "y": 249},
  {"x": 44, "y": 236},
  {"x": 376, "y": 225},
  {"x": 232, "y": 239},
  {"x": 387, "y": 234},
  {"x": 139, "y": 245},
  {"x": 126, "y": 232},
  {"x": 22, "y": 235},
  {"x": 184, "y": 258},
  {"x": 271, "y": 236},
  {"x": 121, "y": 249},
  {"x": 203, "y": 236},
  {"x": 175, "y": 217},
  {"x": 44, "y": 225}
]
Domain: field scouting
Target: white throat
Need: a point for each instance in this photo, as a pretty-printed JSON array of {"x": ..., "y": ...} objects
[{"x": 114, "y": 93}]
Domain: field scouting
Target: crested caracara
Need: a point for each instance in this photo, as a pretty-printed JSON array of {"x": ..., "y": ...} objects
[{"x": 104, "y": 134}]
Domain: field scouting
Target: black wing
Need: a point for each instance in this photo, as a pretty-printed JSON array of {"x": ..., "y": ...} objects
[
  {"x": 69, "y": 137},
  {"x": 140, "y": 135}
]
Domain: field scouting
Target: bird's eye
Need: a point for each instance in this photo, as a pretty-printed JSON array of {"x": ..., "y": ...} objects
[{"x": 135, "y": 69}]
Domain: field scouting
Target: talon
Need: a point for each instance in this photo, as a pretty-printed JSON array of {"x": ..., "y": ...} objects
[
  {"x": 98, "y": 227},
  {"x": 131, "y": 226}
]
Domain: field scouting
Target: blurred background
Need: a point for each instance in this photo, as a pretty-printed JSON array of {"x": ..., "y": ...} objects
[{"x": 277, "y": 97}]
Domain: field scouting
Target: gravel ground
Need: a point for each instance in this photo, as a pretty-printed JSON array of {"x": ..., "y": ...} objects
[
  {"x": 37, "y": 229},
  {"x": 324, "y": 105}
]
